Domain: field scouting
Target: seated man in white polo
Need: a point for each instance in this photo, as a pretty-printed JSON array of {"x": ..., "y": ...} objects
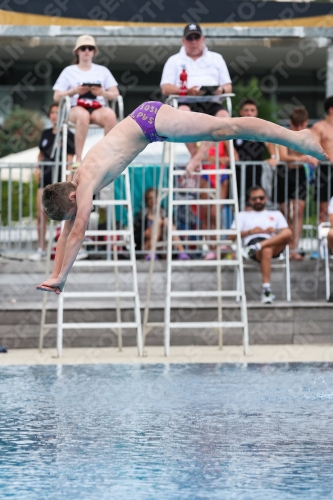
[
  {"x": 206, "y": 73},
  {"x": 265, "y": 234}
]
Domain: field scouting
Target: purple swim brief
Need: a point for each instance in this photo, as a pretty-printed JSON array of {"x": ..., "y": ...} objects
[{"x": 145, "y": 116}]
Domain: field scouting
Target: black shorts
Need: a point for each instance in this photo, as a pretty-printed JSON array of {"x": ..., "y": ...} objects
[
  {"x": 323, "y": 176},
  {"x": 253, "y": 175},
  {"x": 291, "y": 184},
  {"x": 208, "y": 108},
  {"x": 90, "y": 110},
  {"x": 46, "y": 176},
  {"x": 259, "y": 239}
]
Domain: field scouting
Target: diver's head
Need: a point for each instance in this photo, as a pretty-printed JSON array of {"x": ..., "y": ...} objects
[{"x": 59, "y": 200}]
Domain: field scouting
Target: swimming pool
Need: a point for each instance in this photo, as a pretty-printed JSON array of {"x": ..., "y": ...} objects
[{"x": 199, "y": 431}]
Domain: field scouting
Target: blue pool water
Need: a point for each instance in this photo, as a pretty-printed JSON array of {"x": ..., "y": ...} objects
[{"x": 166, "y": 432}]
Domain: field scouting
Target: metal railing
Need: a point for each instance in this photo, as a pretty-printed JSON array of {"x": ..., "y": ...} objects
[
  {"x": 18, "y": 205},
  {"x": 310, "y": 189}
]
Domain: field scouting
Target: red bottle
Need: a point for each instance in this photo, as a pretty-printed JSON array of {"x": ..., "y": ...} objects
[{"x": 183, "y": 82}]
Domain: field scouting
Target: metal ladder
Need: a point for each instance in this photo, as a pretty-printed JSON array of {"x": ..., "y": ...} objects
[
  {"x": 169, "y": 152},
  {"x": 127, "y": 238}
]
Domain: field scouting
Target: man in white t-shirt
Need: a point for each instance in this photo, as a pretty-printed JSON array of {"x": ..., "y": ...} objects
[
  {"x": 265, "y": 234},
  {"x": 89, "y": 86},
  {"x": 204, "y": 68}
]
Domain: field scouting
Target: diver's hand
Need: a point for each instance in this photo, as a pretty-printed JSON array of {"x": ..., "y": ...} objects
[{"x": 55, "y": 285}]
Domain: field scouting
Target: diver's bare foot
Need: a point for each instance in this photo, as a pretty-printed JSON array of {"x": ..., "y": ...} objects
[{"x": 310, "y": 146}]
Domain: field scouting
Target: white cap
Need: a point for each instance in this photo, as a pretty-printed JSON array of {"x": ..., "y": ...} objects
[{"x": 85, "y": 40}]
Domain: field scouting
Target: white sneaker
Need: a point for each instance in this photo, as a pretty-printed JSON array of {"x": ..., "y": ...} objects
[
  {"x": 38, "y": 256},
  {"x": 82, "y": 254},
  {"x": 267, "y": 297},
  {"x": 249, "y": 252}
]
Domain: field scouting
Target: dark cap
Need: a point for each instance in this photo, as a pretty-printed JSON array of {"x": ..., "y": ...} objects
[{"x": 192, "y": 28}]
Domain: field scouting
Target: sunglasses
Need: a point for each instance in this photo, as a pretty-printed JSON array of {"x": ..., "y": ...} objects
[
  {"x": 83, "y": 48},
  {"x": 193, "y": 37},
  {"x": 254, "y": 198}
]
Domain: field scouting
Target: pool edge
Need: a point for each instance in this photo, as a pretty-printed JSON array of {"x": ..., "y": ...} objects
[{"x": 288, "y": 353}]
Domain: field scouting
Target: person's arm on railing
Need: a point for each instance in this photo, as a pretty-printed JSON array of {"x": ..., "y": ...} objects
[
  {"x": 69, "y": 160},
  {"x": 273, "y": 160},
  {"x": 195, "y": 163},
  {"x": 291, "y": 157},
  {"x": 37, "y": 171}
]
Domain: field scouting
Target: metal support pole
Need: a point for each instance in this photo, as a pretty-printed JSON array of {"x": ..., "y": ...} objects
[
  {"x": 288, "y": 294},
  {"x": 56, "y": 151},
  {"x": 218, "y": 247},
  {"x": 166, "y": 149},
  {"x": 134, "y": 270},
  {"x": 327, "y": 270},
  {"x": 239, "y": 249},
  {"x": 60, "y": 314},
  {"x": 116, "y": 270},
  {"x": 60, "y": 320},
  {"x": 329, "y": 71},
  {"x": 169, "y": 256}
]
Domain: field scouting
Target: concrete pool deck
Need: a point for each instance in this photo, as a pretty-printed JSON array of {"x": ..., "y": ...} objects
[
  {"x": 178, "y": 354},
  {"x": 307, "y": 319}
]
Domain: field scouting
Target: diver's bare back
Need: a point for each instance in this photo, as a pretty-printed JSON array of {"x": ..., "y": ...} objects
[{"x": 111, "y": 155}]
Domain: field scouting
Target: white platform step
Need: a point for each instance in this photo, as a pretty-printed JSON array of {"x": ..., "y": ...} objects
[
  {"x": 103, "y": 263},
  {"x": 48, "y": 326},
  {"x": 204, "y": 263},
  {"x": 209, "y": 201},
  {"x": 107, "y": 232},
  {"x": 109, "y": 243},
  {"x": 219, "y": 171},
  {"x": 98, "y": 295},
  {"x": 208, "y": 324},
  {"x": 203, "y": 232},
  {"x": 99, "y": 325},
  {"x": 104, "y": 203},
  {"x": 210, "y": 293}
]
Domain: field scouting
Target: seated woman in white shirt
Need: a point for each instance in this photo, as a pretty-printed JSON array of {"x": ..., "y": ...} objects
[{"x": 88, "y": 102}]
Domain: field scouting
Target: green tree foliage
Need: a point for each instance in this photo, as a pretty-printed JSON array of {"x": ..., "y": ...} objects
[
  {"x": 251, "y": 90},
  {"x": 20, "y": 205},
  {"x": 21, "y": 130}
]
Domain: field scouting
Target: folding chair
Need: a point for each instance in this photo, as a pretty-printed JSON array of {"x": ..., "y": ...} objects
[{"x": 118, "y": 101}]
